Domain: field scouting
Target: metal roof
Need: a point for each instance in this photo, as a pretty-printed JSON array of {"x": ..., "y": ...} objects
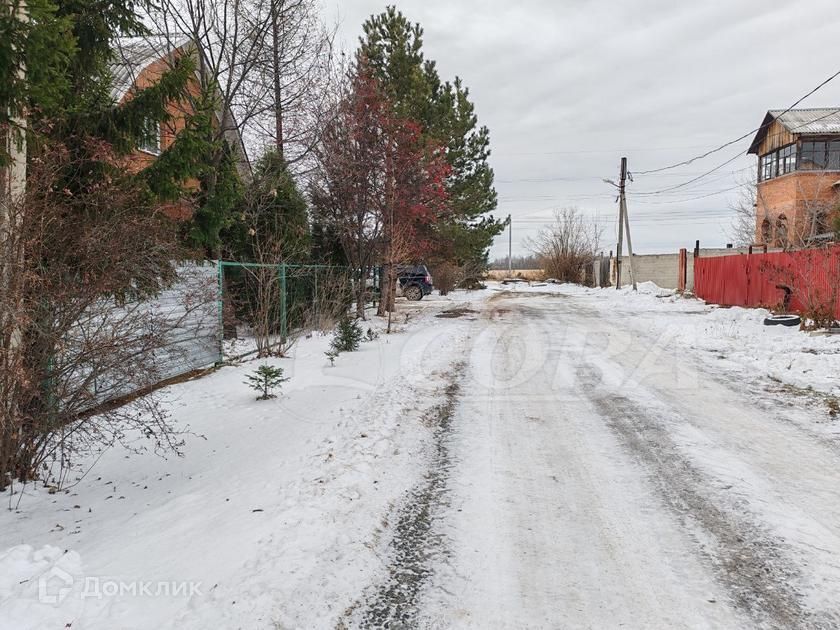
[
  {"x": 132, "y": 55},
  {"x": 817, "y": 121},
  {"x": 823, "y": 120}
]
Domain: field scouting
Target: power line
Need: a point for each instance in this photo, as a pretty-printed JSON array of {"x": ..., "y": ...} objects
[
  {"x": 691, "y": 181},
  {"x": 705, "y": 196},
  {"x": 598, "y": 151},
  {"x": 583, "y": 178},
  {"x": 700, "y": 177},
  {"x": 739, "y": 139}
]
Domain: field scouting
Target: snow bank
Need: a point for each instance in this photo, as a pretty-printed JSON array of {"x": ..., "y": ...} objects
[
  {"x": 267, "y": 521},
  {"x": 732, "y": 339}
]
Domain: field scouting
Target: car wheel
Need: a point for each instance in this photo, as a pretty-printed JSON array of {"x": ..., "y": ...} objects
[{"x": 413, "y": 293}]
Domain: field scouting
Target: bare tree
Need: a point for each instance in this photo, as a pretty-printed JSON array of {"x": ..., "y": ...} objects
[
  {"x": 566, "y": 247},
  {"x": 742, "y": 230},
  {"x": 811, "y": 277},
  {"x": 261, "y": 291},
  {"x": 81, "y": 325},
  {"x": 227, "y": 41},
  {"x": 264, "y": 68},
  {"x": 517, "y": 262},
  {"x": 807, "y": 222},
  {"x": 298, "y": 66}
]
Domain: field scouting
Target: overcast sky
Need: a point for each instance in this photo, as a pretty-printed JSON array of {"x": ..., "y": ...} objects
[{"x": 569, "y": 86}]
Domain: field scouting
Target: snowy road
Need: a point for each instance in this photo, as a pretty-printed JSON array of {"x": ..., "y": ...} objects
[
  {"x": 547, "y": 458},
  {"x": 596, "y": 476}
]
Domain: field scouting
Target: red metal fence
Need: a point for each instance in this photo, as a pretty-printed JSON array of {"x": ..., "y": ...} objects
[{"x": 813, "y": 276}]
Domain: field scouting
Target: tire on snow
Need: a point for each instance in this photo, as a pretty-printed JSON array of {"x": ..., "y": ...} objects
[{"x": 783, "y": 320}]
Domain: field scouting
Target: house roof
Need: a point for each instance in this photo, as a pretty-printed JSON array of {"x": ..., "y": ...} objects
[
  {"x": 132, "y": 55},
  {"x": 822, "y": 121}
]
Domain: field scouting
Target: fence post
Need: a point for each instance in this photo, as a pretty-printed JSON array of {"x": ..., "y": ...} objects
[
  {"x": 283, "y": 318},
  {"x": 221, "y": 302},
  {"x": 315, "y": 298},
  {"x": 682, "y": 270}
]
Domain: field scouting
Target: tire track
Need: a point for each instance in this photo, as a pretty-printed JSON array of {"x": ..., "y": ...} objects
[
  {"x": 746, "y": 558},
  {"x": 415, "y": 543}
]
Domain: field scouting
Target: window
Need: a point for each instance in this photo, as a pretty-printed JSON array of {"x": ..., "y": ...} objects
[
  {"x": 787, "y": 159},
  {"x": 150, "y": 138},
  {"x": 834, "y": 155},
  {"x": 779, "y": 162},
  {"x": 813, "y": 156},
  {"x": 821, "y": 222},
  {"x": 767, "y": 166}
]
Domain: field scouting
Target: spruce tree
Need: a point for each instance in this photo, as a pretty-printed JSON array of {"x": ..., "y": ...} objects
[
  {"x": 273, "y": 211},
  {"x": 348, "y": 336},
  {"x": 36, "y": 50},
  {"x": 265, "y": 379}
]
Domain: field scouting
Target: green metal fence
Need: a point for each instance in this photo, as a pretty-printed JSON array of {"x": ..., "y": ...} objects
[{"x": 257, "y": 301}]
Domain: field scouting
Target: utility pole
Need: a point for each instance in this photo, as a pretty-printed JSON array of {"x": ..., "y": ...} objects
[
  {"x": 510, "y": 247},
  {"x": 621, "y": 185},
  {"x": 626, "y": 216}
]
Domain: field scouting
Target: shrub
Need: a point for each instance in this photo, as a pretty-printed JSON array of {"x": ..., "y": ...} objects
[
  {"x": 265, "y": 379},
  {"x": 446, "y": 277},
  {"x": 348, "y": 336},
  {"x": 567, "y": 247},
  {"x": 332, "y": 355}
]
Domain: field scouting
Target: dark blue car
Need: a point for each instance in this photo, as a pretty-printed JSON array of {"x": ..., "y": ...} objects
[{"x": 415, "y": 281}]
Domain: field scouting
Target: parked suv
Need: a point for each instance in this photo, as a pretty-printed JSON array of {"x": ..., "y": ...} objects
[{"x": 415, "y": 281}]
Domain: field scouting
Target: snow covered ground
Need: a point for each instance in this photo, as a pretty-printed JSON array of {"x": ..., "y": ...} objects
[
  {"x": 543, "y": 456},
  {"x": 731, "y": 340},
  {"x": 268, "y": 517}
]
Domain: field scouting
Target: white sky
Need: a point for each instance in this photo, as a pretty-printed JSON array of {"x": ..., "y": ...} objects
[{"x": 569, "y": 86}]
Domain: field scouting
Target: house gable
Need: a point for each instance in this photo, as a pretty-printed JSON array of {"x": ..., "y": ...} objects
[{"x": 139, "y": 63}]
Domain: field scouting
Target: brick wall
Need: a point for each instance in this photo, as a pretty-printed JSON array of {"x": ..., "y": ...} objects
[
  {"x": 795, "y": 196},
  {"x": 179, "y": 112}
]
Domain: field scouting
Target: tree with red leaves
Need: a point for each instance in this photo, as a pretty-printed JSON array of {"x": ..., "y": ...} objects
[
  {"x": 415, "y": 200},
  {"x": 380, "y": 187}
]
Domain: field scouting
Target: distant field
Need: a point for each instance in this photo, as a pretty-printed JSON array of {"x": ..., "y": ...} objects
[{"x": 526, "y": 274}]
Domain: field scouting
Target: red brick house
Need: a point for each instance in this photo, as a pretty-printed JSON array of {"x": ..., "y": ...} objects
[
  {"x": 140, "y": 62},
  {"x": 798, "y": 176}
]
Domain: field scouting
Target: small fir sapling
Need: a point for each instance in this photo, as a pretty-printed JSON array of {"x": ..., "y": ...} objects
[
  {"x": 372, "y": 335},
  {"x": 265, "y": 379},
  {"x": 348, "y": 336},
  {"x": 332, "y": 355}
]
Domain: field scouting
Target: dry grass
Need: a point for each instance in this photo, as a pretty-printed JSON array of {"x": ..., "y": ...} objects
[{"x": 525, "y": 274}]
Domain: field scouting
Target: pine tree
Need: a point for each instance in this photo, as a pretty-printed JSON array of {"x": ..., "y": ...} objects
[
  {"x": 392, "y": 49},
  {"x": 36, "y": 50},
  {"x": 265, "y": 379},
  {"x": 274, "y": 210},
  {"x": 348, "y": 336},
  {"x": 219, "y": 201}
]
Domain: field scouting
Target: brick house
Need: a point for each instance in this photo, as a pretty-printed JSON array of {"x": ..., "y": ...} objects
[
  {"x": 798, "y": 176},
  {"x": 141, "y": 62}
]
